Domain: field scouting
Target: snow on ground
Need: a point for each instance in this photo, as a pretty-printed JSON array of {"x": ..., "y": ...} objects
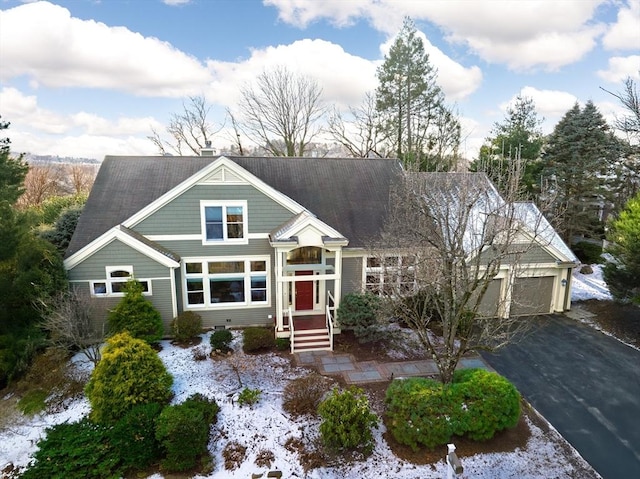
[
  {"x": 589, "y": 286},
  {"x": 266, "y": 426}
]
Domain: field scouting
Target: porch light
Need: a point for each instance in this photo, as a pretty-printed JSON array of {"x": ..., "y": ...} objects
[{"x": 563, "y": 283}]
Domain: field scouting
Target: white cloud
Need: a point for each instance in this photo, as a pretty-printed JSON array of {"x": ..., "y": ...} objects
[
  {"x": 625, "y": 33},
  {"x": 343, "y": 77},
  {"x": 620, "y": 68},
  {"x": 521, "y": 34},
  {"x": 40, "y": 131},
  {"x": 550, "y": 104},
  {"x": 173, "y": 3},
  {"x": 43, "y": 42}
]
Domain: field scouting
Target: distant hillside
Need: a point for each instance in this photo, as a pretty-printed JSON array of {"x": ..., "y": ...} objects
[{"x": 54, "y": 159}]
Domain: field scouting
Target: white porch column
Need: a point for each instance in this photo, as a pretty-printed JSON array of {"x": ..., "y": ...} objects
[
  {"x": 337, "y": 294},
  {"x": 279, "y": 293}
]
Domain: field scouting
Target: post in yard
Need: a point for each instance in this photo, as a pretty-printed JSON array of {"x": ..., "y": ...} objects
[{"x": 454, "y": 466}]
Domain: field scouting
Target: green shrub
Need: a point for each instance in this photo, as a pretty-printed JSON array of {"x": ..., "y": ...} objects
[
  {"x": 130, "y": 373},
  {"x": 208, "y": 407},
  {"x": 220, "y": 340},
  {"x": 186, "y": 325},
  {"x": 249, "y": 396},
  {"x": 359, "y": 312},
  {"x": 183, "y": 432},
  {"x": 421, "y": 412},
  {"x": 588, "y": 252},
  {"x": 347, "y": 420},
  {"x": 257, "y": 339},
  {"x": 424, "y": 412},
  {"x": 133, "y": 437},
  {"x": 75, "y": 451},
  {"x": 283, "y": 344},
  {"x": 491, "y": 403},
  {"x": 303, "y": 395},
  {"x": 136, "y": 315}
]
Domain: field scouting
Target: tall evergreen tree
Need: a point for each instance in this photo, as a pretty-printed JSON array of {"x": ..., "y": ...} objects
[
  {"x": 623, "y": 274},
  {"x": 12, "y": 170},
  {"x": 580, "y": 153},
  {"x": 411, "y": 104},
  {"x": 518, "y": 139}
]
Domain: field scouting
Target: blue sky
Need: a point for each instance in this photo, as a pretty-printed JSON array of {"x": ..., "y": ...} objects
[{"x": 93, "y": 77}]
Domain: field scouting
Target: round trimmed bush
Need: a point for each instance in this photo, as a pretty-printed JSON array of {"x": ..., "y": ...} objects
[
  {"x": 491, "y": 403},
  {"x": 186, "y": 326},
  {"x": 421, "y": 412},
  {"x": 220, "y": 340},
  {"x": 347, "y": 420},
  {"x": 136, "y": 315},
  {"x": 130, "y": 373},
  {"x": 134, "y": 439}
]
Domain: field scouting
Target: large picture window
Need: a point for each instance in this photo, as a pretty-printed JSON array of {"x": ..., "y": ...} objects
[
  {"x": 218, "y": 282},
  {"x": 116, "y": 278},
  {"x": 224, "y": 222}
]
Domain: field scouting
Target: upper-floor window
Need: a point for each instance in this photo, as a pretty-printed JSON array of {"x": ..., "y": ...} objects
[
  {"x": 224, "y": 221},
  {"x": 116, "y": 278}
]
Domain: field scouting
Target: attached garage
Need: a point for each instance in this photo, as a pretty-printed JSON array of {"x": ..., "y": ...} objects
[{"x": 532, "y": 296}]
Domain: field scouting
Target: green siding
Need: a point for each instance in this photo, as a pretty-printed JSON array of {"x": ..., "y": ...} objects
[
  {"x": 161, "y": 300},
  {"x": 351, "y": 275},
  {"x": 182, "y": 215},
  {"x": 237, "y": 317},
  {"x": 117, "y": 254},
  {"x": 196, "y": 248}
]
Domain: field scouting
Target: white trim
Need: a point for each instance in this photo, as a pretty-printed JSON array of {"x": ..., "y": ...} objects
[
  {"x": 198, "y": 237},
  {"x": 113, "y": 234},
  {"x": 201, "y": 175},
  {"x": 224, "y": 204},
  {"x": 174, "y": 295},
  {"x": 109, "y": 281},
  {"x": 207, "y": 306}
]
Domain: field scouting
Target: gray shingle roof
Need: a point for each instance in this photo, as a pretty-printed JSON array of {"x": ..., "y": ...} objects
[{"x": 349, "y": 194}]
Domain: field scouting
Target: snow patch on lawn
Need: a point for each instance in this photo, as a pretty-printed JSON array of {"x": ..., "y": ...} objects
[
  {"x": 589, "y": 286},
  {"x": 266, "y": 426}
]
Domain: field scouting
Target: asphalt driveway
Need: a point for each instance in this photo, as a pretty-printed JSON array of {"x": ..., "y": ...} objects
[{"x": 586, "y": 384}]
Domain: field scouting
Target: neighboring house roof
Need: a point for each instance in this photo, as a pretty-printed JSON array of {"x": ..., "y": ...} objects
[
  {"x": 349, "y": 194},
  {"x": 533, "y": 218}
]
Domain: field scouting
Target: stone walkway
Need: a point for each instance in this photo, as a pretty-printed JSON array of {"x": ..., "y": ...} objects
[{"x": 354, "y": 372}]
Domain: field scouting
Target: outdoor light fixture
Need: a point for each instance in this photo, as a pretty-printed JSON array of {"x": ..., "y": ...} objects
[{"x": 563, "y": 283}]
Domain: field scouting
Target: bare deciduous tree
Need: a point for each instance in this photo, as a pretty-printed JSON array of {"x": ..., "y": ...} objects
[
  {"x": 629, "y": 99},
  {"x": 67, "y": 318},
  {"x": 362, "y": 136},
  {"x": 190, "y": 131},
  {"x": 281, "y": 111},
  {"x": 41, "y": 183},
  {"x": 80, "y": 178},
  {"x": 449, "y": 237}
]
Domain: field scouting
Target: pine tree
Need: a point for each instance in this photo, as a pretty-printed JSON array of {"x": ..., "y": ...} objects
[
  {"x": 623, "y": 273},
  {"x": 579, "y": 154},
  {"x": 517, "y": 139},
  {"x": 412, "y": 105}
]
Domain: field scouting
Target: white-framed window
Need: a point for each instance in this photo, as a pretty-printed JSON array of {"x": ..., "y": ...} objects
[
  {"x": 390, "y": 273},
  {"x": 226, "y": 281},
  {"x": 116, "y": 278},
  {"x": 224, "y": 222}
]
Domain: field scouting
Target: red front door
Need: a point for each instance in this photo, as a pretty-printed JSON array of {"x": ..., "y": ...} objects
[{"x": 304, "y": 292}]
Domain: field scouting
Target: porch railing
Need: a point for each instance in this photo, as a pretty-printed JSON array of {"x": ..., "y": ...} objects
[
  {"x": 330, "y": 326},
  {"x": 291, "y": 330}
]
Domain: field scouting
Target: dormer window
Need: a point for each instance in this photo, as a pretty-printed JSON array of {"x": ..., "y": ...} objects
[{"x": 224, "y": 222}]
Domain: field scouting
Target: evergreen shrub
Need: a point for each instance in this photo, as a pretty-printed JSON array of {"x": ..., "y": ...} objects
[
  {"x": 136, "y": 315},
  {"x": 79, "y": 450},
  {"x": 133, "y": 437},
  {"x": 248, "y": 396},
  {"x": 130, "y": 373},
  {"x": 359, "y": 312},
  {"x": 183, "y": 432},
  {"x": 587, "y": 252},
  {"x": 220, "y": 340},
  {"x": 186, "y": 326},
  {"x": 425, "y": 412},
  {"x": 257, "y": 339},
  {"x": 347, "y": 420}
]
